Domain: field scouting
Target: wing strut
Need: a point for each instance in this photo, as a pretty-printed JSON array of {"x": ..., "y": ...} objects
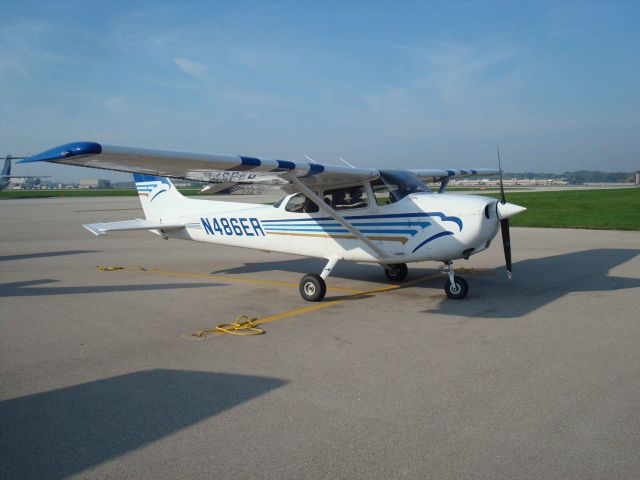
[{"x": 336, "y": 216}]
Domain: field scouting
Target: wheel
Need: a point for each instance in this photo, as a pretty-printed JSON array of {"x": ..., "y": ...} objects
[
  {"x": 458, "y": 290},
  {"x": 312, "y": 287},
  {"x": 396, "y": 272}
]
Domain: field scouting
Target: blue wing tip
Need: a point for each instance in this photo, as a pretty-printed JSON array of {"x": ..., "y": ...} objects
[{"x": 67, "y": 150}]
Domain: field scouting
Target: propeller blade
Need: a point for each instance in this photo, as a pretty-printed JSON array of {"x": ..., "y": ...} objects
[
  {"x": 504, "y": 222},
  {"x": 506, "y": 245}
]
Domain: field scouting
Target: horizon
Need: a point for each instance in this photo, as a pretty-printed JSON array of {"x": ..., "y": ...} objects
[{"x": 424, "y": 85}]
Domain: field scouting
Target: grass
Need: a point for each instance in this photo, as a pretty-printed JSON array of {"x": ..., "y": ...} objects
[{"x": 611, "y": 209}]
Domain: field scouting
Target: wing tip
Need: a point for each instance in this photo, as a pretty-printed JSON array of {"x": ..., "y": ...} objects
[
  {"x": 93, "y": 229},
  {"x": 67, "y": 150}
]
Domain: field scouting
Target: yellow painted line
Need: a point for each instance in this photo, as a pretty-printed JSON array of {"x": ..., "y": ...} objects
[
  {"x": 331, "y": 303},
  {"x": 256, "y": 281}
]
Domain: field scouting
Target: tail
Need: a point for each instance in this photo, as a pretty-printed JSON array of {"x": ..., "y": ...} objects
[
  {"x": 160, "y": 199},
  {"x": 6, "y": 169}
]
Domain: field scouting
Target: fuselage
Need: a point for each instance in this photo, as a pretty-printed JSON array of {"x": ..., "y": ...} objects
[{"x": 421, "y": 226}]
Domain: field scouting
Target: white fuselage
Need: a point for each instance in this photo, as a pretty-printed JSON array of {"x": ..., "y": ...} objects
[{"x": 421, "y": 226}]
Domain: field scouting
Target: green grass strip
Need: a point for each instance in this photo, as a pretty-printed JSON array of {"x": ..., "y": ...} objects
[{"x": 610, "y": 209}]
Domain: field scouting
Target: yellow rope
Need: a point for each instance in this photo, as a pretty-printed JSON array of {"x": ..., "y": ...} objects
[{"x": 243, "y": 326}]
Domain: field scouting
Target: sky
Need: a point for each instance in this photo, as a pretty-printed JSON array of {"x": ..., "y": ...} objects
[{"x": 381, "y": 84}]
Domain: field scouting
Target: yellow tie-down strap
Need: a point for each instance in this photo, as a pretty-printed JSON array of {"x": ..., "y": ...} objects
[{"x": 242, "y": 326}]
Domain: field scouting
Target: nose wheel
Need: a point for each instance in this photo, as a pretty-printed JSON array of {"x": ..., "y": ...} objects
[{"x": 455, "y": 287}]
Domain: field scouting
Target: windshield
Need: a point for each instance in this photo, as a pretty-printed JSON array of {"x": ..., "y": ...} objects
[{"x": 402, "y": 183}]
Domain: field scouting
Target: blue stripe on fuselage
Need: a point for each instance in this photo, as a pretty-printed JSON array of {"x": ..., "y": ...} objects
[{"x": 440, "y": 215}]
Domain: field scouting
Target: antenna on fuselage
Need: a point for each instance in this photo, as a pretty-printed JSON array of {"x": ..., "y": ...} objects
[{"x": 342, "y": 159}]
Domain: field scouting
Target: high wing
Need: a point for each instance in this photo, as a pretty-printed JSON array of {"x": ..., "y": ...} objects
[
  {"x": 215, "y": 168},
  {"x": 199, "y": 167}
]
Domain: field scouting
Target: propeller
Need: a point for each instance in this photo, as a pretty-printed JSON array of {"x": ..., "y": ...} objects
[{"x": 504, "y": 224}]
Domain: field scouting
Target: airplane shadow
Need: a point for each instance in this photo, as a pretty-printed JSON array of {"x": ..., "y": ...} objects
[
  {"x": 62, "y": 432},
  {"x": 541, "y": 281},
  {"x": 27, "y": 256},
  {"x": 303, "y": 266},
  {"x": 31, "y": 288},
  {"x": 536, "y": 282}
]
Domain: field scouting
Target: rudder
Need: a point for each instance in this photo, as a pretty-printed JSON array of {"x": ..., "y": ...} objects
[
  {"x": 158, "y": 196},
  {"x": 6, "y": 169}
]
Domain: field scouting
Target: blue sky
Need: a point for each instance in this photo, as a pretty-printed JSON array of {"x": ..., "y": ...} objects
[{"x": 402, "y": 84}]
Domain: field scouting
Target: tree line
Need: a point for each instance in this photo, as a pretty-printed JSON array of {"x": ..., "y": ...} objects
[{"x": 581, "y": 176}]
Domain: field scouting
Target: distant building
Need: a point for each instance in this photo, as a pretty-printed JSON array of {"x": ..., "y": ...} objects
[{"x": 94, "y": 183}]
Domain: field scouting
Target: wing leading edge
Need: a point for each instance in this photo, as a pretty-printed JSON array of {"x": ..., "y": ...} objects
[
  {"x": 215, "y": 168},
  {"x": 199, "y": 167}
]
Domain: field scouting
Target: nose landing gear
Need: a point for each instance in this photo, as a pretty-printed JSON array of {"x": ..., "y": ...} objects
[{"x": 455, "y": 287}]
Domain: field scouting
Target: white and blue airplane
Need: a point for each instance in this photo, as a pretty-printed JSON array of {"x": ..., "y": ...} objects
[
  {"x": 388, "y": 217},
  {"x": 5, "y": 174}
]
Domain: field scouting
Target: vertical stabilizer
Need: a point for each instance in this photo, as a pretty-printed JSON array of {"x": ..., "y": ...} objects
[
  {"x": 160, "y": 199},
  {"x": 6, "y": 169}
]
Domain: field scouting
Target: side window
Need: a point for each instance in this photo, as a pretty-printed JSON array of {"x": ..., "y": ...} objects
[
  {"x": 347, "y": 197},
  {"x": 394, "y": 185},
  {"x": 295, "y": 203},
  {"x": 301, "y": 204},
  {"x": 382, "y": 192}
]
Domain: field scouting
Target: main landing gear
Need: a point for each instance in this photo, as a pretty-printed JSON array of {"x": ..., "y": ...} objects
[
  {"x": 396, "y": 272},
  {"x": 455, "y": 287},
  {"x": 313, "y": 287}
]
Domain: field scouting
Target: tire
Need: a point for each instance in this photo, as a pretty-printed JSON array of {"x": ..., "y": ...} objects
[
  {"x": 313, "y": 288},
  {"x": 396, "y": 272},
  {"x": 459, "y": 290}
]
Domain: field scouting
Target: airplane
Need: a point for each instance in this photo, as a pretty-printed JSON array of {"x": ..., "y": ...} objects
[
  {"x": 389, "y": 217},
  {"x": 5, "y": 175}
]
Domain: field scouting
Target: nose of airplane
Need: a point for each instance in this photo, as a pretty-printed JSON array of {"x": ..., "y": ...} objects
[{"x": 506, "y": 210}]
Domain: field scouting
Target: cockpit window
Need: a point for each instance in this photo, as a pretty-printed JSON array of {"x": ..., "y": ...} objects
[
  {"x": 395, "y": 185},
  {"x": 346, "y": 198},
  {"x": 301, "y": 204}
]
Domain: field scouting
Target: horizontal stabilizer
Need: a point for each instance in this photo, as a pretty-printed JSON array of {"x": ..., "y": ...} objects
[{"x": 124, "y": 225}]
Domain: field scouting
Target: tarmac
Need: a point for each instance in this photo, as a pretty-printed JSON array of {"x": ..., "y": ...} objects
[{"x": 533, "y": 378}]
